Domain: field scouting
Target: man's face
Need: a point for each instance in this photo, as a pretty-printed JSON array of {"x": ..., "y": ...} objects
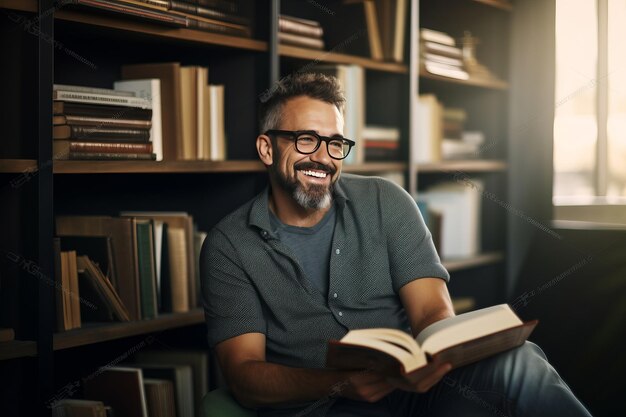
[{"x": 309, "y": 179}]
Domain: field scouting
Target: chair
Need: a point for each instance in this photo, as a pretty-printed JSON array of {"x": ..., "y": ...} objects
[{"x": 219, "y": 403}]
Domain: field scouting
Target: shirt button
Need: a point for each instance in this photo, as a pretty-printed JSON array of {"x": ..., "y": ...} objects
[
  {"x": 335, "y": 295},
  {"x": 337, "y": 251},
  {"x": 340, "y": 313},
  {"x": 264, "y": 233}
]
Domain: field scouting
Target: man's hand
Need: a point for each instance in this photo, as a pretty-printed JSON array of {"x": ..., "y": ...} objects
[
  {"x": 365, "y": 386},
  {"x": 423, "y": 379}
]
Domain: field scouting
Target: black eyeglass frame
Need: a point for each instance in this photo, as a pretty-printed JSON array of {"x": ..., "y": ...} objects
[{"x": 293, "y": 134}]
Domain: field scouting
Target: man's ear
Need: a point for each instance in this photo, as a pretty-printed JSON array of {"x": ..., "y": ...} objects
[{"x": 264, "y": 149}]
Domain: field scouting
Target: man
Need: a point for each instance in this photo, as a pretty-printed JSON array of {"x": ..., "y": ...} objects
[{"x": 319, "y": 253}]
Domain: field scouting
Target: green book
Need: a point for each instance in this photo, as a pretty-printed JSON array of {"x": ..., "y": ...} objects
[{"x": 147, "y": 273}]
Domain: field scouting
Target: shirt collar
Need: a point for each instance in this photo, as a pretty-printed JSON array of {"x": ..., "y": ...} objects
[{"x": 260, "y": 216}]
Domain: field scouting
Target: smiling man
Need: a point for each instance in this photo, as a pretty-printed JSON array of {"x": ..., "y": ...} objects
[{"x": 319, "y": 253}]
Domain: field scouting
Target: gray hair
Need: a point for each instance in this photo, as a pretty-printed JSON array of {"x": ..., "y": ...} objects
[{"x": 314, "y": 85}]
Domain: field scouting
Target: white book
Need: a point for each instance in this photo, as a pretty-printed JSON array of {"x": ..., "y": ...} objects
[
  {"x": 97, "y": 90},
  {"x": 427, "y": 130},
  {"x": 96, "y": 98},
  {"x": 441, "y": 59},
  {"x": 437, "y": 36},
  {"x": 459, "y": 205},
  {"x": 216, "y": 124},
  {"x": 381, "y": 133},
  {"x": 202, "y": 80},
  {"x": 443, "y": 49},
  {"x": 444, "y": 70},
  {"x": 149, "y": 89}
]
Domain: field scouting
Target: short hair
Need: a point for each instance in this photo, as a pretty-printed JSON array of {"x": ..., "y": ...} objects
[{"x": 314, "y": 85}]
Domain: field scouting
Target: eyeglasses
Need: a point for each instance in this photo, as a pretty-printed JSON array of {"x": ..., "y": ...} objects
[{"x": 308, "y": 142}]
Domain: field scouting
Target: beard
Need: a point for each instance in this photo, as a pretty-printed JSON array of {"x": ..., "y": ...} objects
[{"x": 313, "y": 196}]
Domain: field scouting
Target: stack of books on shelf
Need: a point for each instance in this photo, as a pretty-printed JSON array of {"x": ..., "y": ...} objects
[
  {"x": 157, "y": 383},
  {"x": 192, "y": 109},
  {"x": 99, "y": 123},
  {"x": 458, "y": 143},
  {"x": 451, "y": 210},
  {"x": 382, "y": 144},
  {"x": 300, "y": 32},
  {"x": 440, "y": 55},
  {"x": 126, "y": 268},
  {"x": 215, "y": 16}
]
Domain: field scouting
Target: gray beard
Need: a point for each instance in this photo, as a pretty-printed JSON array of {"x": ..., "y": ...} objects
[
  {"x": 317, "y": 200},
  {"x": 316, "y": 197}
]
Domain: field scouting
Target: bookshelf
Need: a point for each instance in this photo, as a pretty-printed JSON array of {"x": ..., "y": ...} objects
[
  {"x": 208, "y": 190},
  {"x": 97, "y": 333},
  {"x": 484, "y": 98},
  {"x": 17, "y": 165}
]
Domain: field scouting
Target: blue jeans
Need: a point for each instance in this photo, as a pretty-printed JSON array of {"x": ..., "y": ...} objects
[{"x": 516, "y": 383}]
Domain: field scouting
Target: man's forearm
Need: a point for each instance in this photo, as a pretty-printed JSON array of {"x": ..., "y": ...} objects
[{"x": 257, "y": 383}]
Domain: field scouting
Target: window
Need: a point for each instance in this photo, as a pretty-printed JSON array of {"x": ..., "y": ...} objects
[{"x": 590, "y": 105}]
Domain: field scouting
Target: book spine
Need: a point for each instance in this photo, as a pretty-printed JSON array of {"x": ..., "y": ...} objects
[
  {"x": 124, "y": 8},
  {"x": 99, "y": 110},
  {"x": 104, "y": 147},
  {"x": 95, "y": 132},
  {"x": 94, "y": 90},
  {"x": 218, "y": 28},
  {"x": 93, "y": 98},
  {"x": 110, "y": 156},
  {"x": 103, "y": 122},
  {"x": 223, "y": 5},
  {"x": 219, "y": 15},
  {"x": 181, "y": 6},
  {"x": 290, "y": 26},
  {"x": 298, "y": 40}
]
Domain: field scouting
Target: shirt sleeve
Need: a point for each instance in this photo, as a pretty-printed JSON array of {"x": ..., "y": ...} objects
[
  {"x": 231, "y": 303},
  {"x": 412, "y": 254}
]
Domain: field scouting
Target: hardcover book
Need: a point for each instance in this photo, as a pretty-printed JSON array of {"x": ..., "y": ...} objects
[{"x": 459, "y": 340}]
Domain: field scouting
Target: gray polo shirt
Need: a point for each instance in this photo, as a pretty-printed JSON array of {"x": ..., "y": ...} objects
[{"x": 252, "y": 282}]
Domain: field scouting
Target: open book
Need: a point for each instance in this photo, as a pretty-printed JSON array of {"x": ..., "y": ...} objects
[{"x": 458, "y": 340}]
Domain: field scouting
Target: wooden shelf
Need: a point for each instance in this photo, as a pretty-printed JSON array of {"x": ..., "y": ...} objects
[
  {"x": 198, "y": 167},
  {"x": 17, "y": 165},
  {"x": 17, "y": 349},
  {"x": 90, "y": 334},
  {"x": 106, "y": 21},
  {"x": 128, "y": 167},
  {"x": 495, "y": 83},
  {"x": 372, "y": 167},
  {"x": 479, "y": 260},
  {"x": 478, "y": 165},
  {"x": 313, "y": 55},
  {"x": 498, "y": 4},
  {"x": 19, "y": 5}
]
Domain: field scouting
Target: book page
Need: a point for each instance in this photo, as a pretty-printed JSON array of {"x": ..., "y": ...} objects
[{"x": 468, "y": 326}]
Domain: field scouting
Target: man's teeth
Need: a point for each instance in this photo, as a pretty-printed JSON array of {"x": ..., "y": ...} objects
[{"x": 315, "y": 174}]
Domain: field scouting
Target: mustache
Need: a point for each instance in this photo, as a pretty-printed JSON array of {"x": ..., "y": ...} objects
[{"x": 316, "y": 166}]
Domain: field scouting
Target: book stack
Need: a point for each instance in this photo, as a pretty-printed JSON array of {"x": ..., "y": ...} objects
[
  {"x": 192, "y": 110},
  {"x": 100, "y": 123},
  {"x": 216, "y": 16},
  {"x": 300, "y": 32},
  {"x": 440, "y": 55},
  {"x": 381, "y": 143},
  {"x": 131, "y": 267},
  {"x": 458, "y": 143}
]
